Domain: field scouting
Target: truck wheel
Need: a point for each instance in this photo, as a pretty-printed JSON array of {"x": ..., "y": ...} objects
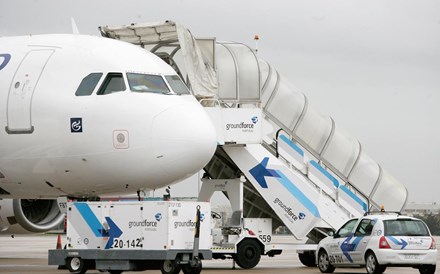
[
  {"x": 115, "y": 271},
  {"x": 248, "y": 254},
  {"x": 188, "y": 269},
  {"x": 76, "y": 265},
  {"x": 307, "y": 259},
  {"x": 169, "y": 267}
]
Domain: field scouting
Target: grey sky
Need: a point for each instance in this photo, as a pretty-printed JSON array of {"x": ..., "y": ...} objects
[{"x": 374, "y": 65}]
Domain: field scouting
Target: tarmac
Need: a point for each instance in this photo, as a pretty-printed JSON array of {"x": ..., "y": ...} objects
[{"x": 28, "y": 254}]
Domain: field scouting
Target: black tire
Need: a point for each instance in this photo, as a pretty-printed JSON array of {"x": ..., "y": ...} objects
[
  {"x": 76, "y": 265},
  {"x": 372, "y": 265},
  {"x": 324, "y": 264},
  {"x": 427, "y": 269},
  {"x": 188, "y": 269},
  {"x": 248, "y": 254},
  {"x": 169, "y": 267},
  {"x": 307, "y": 259},
  {"x": 115, "y": 271}
]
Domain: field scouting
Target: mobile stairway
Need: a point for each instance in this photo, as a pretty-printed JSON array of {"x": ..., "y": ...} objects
[{"x": 300, "y": 169}]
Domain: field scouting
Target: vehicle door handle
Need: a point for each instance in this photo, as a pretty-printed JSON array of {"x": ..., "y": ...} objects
[{"x": 364, "y": 242}]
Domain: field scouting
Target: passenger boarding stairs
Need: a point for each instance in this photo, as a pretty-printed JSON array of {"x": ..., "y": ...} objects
[{"x": 302, "y": 171}]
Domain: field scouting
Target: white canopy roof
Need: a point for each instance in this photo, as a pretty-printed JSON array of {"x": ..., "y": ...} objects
[{"x": 201, "y": 74}]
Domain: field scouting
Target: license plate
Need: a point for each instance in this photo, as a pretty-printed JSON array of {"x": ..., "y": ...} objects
[{"x": 411, "y": 256}]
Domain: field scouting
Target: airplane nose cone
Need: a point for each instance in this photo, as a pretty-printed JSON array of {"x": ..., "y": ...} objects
[{"x": 184, "y": 140}]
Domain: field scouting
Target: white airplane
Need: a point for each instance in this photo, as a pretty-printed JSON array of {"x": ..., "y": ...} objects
[{"x": 83, "y": 116}]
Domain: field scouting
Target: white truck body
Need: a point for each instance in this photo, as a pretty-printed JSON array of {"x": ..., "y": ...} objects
[
  {"x": 144, "y": 225},
  {"x": 136, "y": 236}
]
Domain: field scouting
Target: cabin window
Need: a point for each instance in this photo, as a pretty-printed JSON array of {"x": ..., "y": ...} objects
[
  {"x": 177, "y": 85},
  {"x": 114, "y": 82},
  {"x": 147, "y": 83},
  {"x": 88, "y": 84}
]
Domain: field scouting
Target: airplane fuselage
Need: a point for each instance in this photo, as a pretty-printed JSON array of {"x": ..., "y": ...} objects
[{"x": 77, "y": 119}]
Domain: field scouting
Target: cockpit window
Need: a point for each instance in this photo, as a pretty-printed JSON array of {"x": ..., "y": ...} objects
[
  {"x": 147, "y": 83},
  {"x": 177, "y": 84},
  {"x": 88, "y": 84},
  {"x": 114, "y": 82}
]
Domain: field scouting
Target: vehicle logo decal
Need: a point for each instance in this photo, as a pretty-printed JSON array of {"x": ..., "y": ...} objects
[
  {"x": 158, "y": 216},
  {"x": 6, "y": 59},
  {"x": 403, "y": 243},
  {"x": 260, "y": 171},
  {"x": 76, "y": 125}
]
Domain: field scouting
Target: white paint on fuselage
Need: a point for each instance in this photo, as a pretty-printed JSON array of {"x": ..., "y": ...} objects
[{"x": 170, "y": 136}]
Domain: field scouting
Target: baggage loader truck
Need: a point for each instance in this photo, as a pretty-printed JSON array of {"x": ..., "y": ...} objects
[{"x": 135, "y": 236}]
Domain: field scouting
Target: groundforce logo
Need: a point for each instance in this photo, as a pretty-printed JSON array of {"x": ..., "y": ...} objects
[
  {"x": 144, "y": 223},
  {"x": 288, "y": 210},
  {"x": 188, "y": 223},
  {"x": 243, "y": 125}
]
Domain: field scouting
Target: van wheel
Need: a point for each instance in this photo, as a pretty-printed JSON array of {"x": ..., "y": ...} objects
[
  {"x": 76, "y": 265},
  {"x": 372, "y": 265},
  {"x": 324, "y": 264},
  {"x": 427, "y": 269},
  {"x": 169, "y": 267},
  {"x": 248, "y": 254}
]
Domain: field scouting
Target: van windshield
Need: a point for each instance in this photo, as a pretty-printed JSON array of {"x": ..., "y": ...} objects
[{"x": 147, "y": 83}]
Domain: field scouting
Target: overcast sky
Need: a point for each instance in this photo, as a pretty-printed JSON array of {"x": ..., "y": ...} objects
[{"x": 373, "y": 65}]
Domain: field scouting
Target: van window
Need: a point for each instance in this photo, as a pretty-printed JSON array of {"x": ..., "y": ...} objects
[
  {"x": 147, "y": 83},
  {"x": 114, "y": 82},
  {"x": 405, "y": 227},
  {"x": 88, "y": 84},
  {"x": 346, "y": 229},
  {"x": 364, "y": 228}
]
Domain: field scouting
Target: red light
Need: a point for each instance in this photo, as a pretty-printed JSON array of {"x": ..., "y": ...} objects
[
  {"x": 433, "y": 245},
  {"x": 383, "y": 243},
  {"x": 251, "y": 232}
]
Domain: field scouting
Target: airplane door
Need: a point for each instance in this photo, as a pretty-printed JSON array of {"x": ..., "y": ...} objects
[{"x": 21, "y": 91}]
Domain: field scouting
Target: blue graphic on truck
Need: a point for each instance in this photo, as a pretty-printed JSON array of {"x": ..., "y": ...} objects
[{"x": 92, "y": 221}]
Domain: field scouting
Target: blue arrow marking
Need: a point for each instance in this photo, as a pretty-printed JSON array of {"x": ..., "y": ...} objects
[
  {"x": 113, "y": 232},
  {"x": 92, "y": 221},
  {"x": 346, "y": 246},
  {"x": 260, "y": 171},
  {"x": 403, "y": 243}
]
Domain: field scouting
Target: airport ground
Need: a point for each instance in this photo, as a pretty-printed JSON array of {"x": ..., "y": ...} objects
[{"x": 28, "y": 254}]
